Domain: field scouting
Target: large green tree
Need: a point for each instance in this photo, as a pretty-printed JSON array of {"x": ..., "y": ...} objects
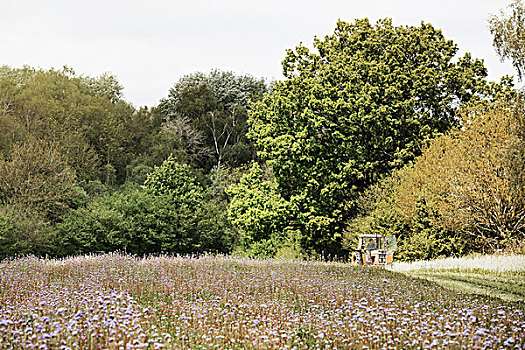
[
  {"x": 260, "y": 213},
  {"x": 363, "y": 103},
  {"x": 508, "y": 30},
  {"x": 36, "y": 188},
  {"x": 36, "y": 176}
]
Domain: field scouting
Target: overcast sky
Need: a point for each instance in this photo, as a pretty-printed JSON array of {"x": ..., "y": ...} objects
[{"x": 150, "y": 44}]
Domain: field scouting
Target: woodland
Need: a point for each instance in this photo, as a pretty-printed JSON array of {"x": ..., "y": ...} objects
[{"x": 375, "y": 129}]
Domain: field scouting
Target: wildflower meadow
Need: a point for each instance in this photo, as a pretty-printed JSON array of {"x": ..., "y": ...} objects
[{"x": 118, "y": 301}]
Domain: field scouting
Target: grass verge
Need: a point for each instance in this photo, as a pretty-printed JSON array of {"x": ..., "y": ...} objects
[{"x": 508, "y": 286}]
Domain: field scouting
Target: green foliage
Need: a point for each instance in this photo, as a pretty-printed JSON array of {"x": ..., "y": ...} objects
[
  {"x": 36, "y": 176},
  {"x": 85, "y": 116},
  {"x": 176, "y": 181},
  {"x": 468, "y": 176},
  {"x": 138, "y": 173},
  {"x": 208, "y": 114},
  {"x": 215, "y": 232},
  {"x": 263, "y": 217},
  {"x": 463, "y": 194},
  {"x": 422, "y": 237},
  {"x": 426, "y": 239},
  {"x": 6, "y": 228},
  {"x": 142, "y": 223},
  {"x": 514, "y": 163},
  {"x": 360, "y": 106},
  {"x": 24, "y": 231},
  {"x": 226, "y": 88},
  {"x": 133, "y": 222},
  {"x": 514, "y": 155},
  {"x": 377, "y": 214},
  {"x": 170, "y": 213},
  {"x": 106, "y": 85},
  {"x": 68, "y": 142},
  {"x": 8, "y": 236}
]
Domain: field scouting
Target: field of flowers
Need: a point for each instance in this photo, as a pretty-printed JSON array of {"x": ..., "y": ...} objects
[{"x": 116, "y": 301}]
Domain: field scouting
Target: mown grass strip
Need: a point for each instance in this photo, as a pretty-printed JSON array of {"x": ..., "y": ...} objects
[
  {"x": 503, "y": 284},
  {"x": 506, "y": 286}
]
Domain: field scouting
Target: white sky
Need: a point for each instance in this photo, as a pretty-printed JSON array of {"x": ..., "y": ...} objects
[{"x": 150, "y": 44}]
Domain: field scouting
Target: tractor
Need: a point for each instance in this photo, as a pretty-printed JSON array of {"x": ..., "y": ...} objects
[{"x": 375, "y": 250}]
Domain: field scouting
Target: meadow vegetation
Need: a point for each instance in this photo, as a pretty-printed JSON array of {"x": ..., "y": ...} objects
[{"x": 121, "y": 301}]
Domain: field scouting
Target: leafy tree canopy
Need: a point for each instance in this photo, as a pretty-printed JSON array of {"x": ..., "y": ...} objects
[
  {"x": 95, "y": 129},
  {"x": 227, "y": 88},
  {"x": 140, "y": 222},
  {"x": 177, "y": 181},
  {"x": 467, "y": 177},
  {"x": 208, "y": 114},
  {"x": 257, "y": 208},
  {"x": 36, "y": 176},
  {"x": 364, "y": 103}
]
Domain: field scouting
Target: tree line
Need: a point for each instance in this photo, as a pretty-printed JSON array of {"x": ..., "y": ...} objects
[
  {"x": 377, "y": 129},
  {"x": 82, "y": 170}
]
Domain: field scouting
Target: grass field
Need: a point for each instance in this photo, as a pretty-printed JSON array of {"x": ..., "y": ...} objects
[
  {"x": 116, "y": 301},
  {"x": 501, "y": 276}
]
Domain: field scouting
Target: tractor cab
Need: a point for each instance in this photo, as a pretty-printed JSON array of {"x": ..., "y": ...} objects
[{"x": 375, "y": 250}]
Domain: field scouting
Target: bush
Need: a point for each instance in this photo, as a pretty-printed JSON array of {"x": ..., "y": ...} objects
[
  {"x": 171, "y": 213},
  {"x": 425, "y": 239},
  {"x": 24, "y": 232},
  {"x": 263, "y": 217}
]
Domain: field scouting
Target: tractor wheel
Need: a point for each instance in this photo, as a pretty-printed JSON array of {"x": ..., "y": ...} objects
[{"x": 355, "y": 260}]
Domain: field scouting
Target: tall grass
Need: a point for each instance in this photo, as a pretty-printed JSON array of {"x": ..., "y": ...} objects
[{"x": 495, "y": 263}]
